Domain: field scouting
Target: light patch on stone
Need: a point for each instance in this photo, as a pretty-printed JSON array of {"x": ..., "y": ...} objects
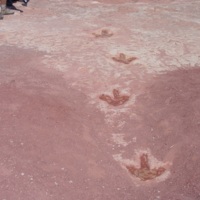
[{"x": 119, "y": 139}]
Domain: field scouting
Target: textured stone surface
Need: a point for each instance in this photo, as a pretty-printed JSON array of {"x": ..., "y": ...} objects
[{"x": 77, "y": 124}]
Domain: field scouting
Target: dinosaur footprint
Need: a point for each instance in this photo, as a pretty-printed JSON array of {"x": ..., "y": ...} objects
[
  {"x": 122, "y": 58},
  {"x": 117, "y": 100},
  {"x": 145, "y": 173},
  {"x": 103, "y": 33}
]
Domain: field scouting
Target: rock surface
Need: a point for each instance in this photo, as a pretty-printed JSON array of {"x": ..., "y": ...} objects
[{"x": 60, "y": 140}]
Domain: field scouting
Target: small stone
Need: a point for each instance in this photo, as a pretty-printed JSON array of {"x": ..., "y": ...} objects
[{"x": 56, "y": 183}]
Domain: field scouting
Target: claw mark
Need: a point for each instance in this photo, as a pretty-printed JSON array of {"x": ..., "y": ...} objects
[
  {"x": 144, "y": 173},
  {"x": 117, "y": 100},
  {"x": 103, "y": 33},
  {"x": 122, "y": 58}
]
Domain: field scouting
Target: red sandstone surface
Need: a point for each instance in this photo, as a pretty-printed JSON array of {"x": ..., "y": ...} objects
[{"x": 76, "y": 124}]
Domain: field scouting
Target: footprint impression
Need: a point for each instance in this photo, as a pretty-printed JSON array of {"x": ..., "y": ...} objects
[
  {"x": 116, "y": 100},
  {"x": 144, "y": 172},
  {"x": 103, "y": 33},
  {"x": 122, "y": 58}
]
